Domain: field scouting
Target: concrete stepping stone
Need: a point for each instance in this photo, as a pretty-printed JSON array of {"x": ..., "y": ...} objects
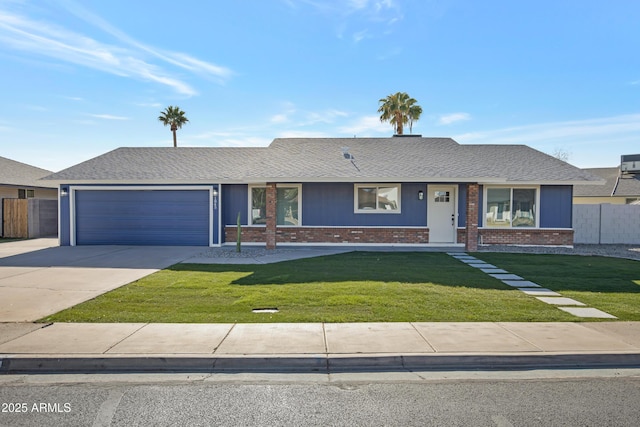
[
  {"x": 540, "y": 292},
  {"x": 457, "y": 254},
  {"x": 587, "y": 312},
  {"x": 504, "y": 277},
  {"x": 559, "y": 301},
  {"x": 493, "y": 270},
  {"x": 521, "y": 283},
  {"x": 482, "y": 265}
]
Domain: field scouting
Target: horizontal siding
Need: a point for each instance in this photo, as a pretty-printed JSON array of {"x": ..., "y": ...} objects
[
  {"x": 331, "y": 204},
  {"x": 159, "y": 217}
]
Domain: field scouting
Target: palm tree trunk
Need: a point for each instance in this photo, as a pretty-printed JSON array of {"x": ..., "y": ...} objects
[
  {"x": 175, "y": 139},
  {"x": 399, "y": 124}
]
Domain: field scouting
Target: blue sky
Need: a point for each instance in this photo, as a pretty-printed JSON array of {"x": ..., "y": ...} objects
[{"x": 80, "y": 78}]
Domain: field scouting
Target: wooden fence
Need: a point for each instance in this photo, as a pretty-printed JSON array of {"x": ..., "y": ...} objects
[{"x": 15, "y": 218}]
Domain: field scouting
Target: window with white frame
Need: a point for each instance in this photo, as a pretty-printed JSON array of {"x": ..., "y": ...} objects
[
  {"x": 288, "y": 204},
  {"x": 258, "y": 205},
  {"x": 511, "y": 207},
  {"x": 377, "y": 198}
]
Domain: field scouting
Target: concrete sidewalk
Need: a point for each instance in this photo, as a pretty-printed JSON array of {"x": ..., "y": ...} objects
[{"x": 314, "y": 347}]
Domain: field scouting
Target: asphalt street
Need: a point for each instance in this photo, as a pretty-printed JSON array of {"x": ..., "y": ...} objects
[{"x": 596, "y": 401}]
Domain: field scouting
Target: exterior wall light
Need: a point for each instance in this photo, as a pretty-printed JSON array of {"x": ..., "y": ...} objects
[
  {"x": 420, "y": 195},
  {"x": 63, "y": 192}
]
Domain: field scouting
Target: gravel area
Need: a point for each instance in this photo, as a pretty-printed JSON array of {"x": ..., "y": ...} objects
[
  {"x": 247, "y": 252},
  {"x": 617, "y": 251}
]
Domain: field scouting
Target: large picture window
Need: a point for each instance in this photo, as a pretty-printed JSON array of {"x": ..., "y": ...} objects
[
  {"x": 258, "y": 203},
  {"x": 288, "y": 205},
  {"x": 377, "y": 198},
  {"x": 511, "y": 207}
]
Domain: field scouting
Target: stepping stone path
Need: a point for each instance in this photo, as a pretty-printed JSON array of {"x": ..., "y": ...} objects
[{"x": 547, "y": 296}]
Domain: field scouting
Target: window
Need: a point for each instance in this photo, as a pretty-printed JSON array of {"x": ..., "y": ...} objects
[
  {"x": 382, "y": 198},
  {"x": 511, "y": 207},
  {"x": 26, "y": 194},
  {"x": 258, "y": 197},
  {"x": 288, "y": 205},
  {"x": 441, "y": 197}
]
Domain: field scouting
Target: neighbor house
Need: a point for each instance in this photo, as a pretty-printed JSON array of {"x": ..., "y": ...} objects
[
  {"x": 389, "y": 191},
  {"x": 22, "y": 181},
  {"x": 620, "y": 188}
]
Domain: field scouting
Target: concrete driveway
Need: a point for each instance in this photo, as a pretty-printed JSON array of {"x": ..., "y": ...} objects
[{"x": 39, "y": 278}]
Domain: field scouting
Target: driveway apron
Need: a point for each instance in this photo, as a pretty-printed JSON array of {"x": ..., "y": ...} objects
[{"x": 39, "y": 278}]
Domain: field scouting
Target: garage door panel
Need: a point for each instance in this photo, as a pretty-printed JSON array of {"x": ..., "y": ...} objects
[{"x": 139, "y": 217}]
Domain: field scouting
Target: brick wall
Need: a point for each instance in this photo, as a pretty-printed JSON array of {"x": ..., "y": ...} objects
[
  {"x": 354, "y": 235},
  {"x": 249, "y": 234},
  {"x": 351, "y": 235},
  {"x": 471, "y": 229},
  {"x": 515, "y": 236}
]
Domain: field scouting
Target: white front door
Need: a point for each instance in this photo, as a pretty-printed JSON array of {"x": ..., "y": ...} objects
[{"x": 441, "y": 213}]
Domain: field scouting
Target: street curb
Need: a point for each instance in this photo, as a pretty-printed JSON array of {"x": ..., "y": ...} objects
[{"x": 316, "y": 363}]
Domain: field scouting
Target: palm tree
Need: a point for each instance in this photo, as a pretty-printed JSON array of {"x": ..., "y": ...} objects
[
  {"x": 174, "y": 117},
  {"x": 414, "y": 115},
  {"x": 399, "y": 109}
]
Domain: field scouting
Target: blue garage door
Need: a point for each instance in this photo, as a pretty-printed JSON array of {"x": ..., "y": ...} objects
[{"x": 142, "y": 217}]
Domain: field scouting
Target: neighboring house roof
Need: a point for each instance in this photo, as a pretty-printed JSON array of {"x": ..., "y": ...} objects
[
  {"x": 22, "y": 175},
  {"x": 322, "y": 159},
  {"x": 616, "y": 184}
]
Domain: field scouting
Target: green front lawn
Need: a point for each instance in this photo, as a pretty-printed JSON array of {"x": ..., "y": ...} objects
[{"x": 366, "y": 287}]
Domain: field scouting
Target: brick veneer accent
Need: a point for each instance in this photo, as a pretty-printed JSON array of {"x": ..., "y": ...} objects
[
  {"x": 471, "y": 229},
  {"x": 489, "y": 236},
  {"x": 349, "y": 235},
  {"x": 538, "y": 236},
  {"x": 270, "y": 231}
]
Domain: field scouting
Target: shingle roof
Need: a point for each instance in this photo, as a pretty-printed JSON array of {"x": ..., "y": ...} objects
[
  {"x": 628, "y": 185},
  {"x": 322, "y": 159},
  {"x": 20, "y": 174}
]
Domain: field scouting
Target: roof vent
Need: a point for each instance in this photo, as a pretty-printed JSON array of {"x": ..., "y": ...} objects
[
  {"x": 411, "y": 135},
  {"x": 347, "y": 155},
  {"x": 630, "y": 163}
]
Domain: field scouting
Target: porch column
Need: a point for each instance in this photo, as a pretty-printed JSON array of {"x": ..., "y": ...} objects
[
  {"x": 473, "y": 199},
  {"x": 270, "y": 233}
]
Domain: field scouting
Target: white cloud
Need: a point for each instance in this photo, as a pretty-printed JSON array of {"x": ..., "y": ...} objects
[
  {"x": 108, "y": 117},
  {"x": 447, "y": 119},
  {"x": 279, "y": 118},
  {"x": 301, "y": 134},
  {"x": 328, "y": 116},
  {"x": 366, "y": 126},
  {"x": 131, "y": 59},
  {"x": 149, "y": 104},
  {"x": 601, "y": 128},
  {"x": 592, "y": 142}
]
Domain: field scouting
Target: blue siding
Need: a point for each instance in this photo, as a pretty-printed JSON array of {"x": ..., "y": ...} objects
[
  {"x": 331, "y": 204},
  {"x": 556, "y": 206},
  {"x": 235, "y": 198},
  {"x": 462, "y": 205},
  {"x": 132, "y": 217}
]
